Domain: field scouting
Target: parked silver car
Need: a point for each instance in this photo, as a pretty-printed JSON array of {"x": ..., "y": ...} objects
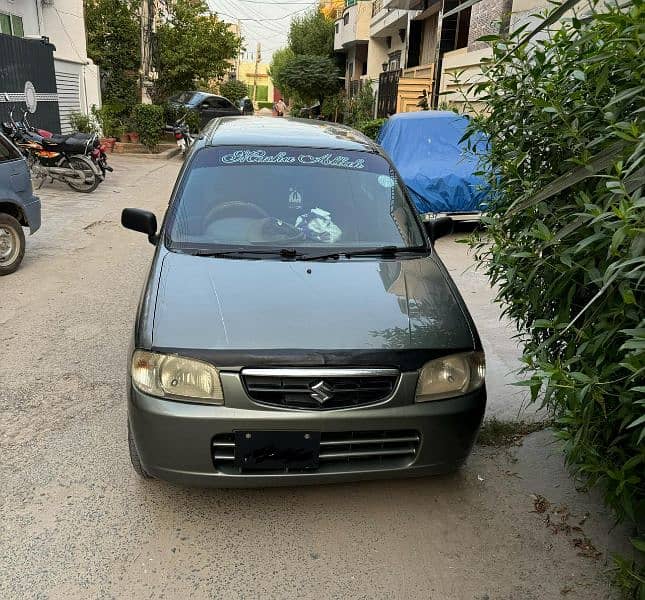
[
  {"x": 18, "y": 206},
  {"x": 296, "y": 325}
]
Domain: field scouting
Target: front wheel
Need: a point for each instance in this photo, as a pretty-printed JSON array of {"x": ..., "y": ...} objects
[
  {"x": 12, "y": 244},
  {"x": 90, "y": 179}
]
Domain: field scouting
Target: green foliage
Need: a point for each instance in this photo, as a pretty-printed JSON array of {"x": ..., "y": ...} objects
[
  {"x": 360, "y": 108},
  {"x": 81, "y": 122},
  {"x": 113, "y": 44},
  {"x": 107, "y": 118},
  {"x": 234, "y": 90},
  {"x": 371, "y": 128},
  {"x": 193, "y": 45},
  {"x": 279, "y": 59},
  {"x": 265, "y": 105},
  {"x": 334, "y": 106},
  {"x": 312, "y": 33},
  {"x": 172, "y": 114},
  {"x": 149, "y": 123},
  {"x": 565, "y": 242},
  {"x": 311, "y": 77}
]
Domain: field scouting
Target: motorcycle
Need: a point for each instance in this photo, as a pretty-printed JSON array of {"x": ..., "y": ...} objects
[
  {"x": 182, "y": 134},
  {"x": 61, "y": 157},
  {"x": 97, "y": 154}
]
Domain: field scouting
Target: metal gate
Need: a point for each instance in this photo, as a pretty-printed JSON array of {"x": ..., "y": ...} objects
[
  {"x": 388, "y": 85},
  {"x": 28, "y": 81}
]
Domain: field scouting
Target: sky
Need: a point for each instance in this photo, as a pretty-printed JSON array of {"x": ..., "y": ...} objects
[{"x": 266, "y": 21}]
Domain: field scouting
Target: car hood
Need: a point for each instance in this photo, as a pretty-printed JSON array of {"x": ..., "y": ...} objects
[{"x": 359, "y": 304}]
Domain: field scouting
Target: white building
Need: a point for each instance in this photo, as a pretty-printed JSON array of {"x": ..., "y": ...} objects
[{"x": 63, "y": 22}]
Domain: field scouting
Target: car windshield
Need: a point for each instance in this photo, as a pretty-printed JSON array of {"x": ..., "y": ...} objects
[{"x": 276, "y": 197}]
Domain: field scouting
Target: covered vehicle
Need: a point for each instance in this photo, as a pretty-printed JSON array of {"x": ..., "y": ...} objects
[{"x": 436, "y": 166}]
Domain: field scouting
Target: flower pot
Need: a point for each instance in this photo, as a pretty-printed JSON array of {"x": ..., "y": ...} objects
[
  {"x": 108, "y": 142},
  {"x": 134, "y": 137},
  {"x": 124, "y": 138}
]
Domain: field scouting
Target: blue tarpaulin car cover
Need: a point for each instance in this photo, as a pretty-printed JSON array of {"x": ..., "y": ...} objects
[{"x": 437, "y": 169}]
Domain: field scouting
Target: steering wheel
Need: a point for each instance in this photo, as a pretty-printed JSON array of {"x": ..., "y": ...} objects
[{"x": 234, "y": 209}]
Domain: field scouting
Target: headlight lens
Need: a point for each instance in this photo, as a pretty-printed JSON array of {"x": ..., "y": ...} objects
[
  {"x": 174, "y": 377},
  {"x": 451, "y": 376}
]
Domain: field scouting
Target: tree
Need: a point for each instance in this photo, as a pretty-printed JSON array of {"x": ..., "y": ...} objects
[
  {"x": 193, "y": 45},
  {"x": 311, "y": 77},
  {"x": 312, "y": 33},
  {"x": 234, "y": 90},
  {"x": 113, "y": 44},
  {"x": 280, "y": 58}
]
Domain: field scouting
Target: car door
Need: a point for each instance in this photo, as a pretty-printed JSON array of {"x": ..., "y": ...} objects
[{"x": 208, "y": 109}]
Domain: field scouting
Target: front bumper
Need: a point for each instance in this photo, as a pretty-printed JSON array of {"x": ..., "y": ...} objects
[
  {"x": 32, "y": 214},
  {"x": 174, "y": 439}
]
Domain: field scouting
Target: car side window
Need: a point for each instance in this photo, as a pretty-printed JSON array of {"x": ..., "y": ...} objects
[{"x": 7, "y": 151}]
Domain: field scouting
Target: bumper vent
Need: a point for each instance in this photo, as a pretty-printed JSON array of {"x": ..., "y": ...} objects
[
  {"x": 319, "y": 389},
  {"x": 340, "y": 451}
]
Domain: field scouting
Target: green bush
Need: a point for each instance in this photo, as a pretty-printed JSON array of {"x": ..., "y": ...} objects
[
  {"x": 81, "y": 122},
  {"x": 565, "y": 243},
  {"x": 371, "y": 128},
  {"x": 172, "y": 114},
  {"x": 149, "y": 123},
  {"x": 360, "y": 108},
  {"x": 265, "y": 105},
  {"x": 234, "y": 90}
]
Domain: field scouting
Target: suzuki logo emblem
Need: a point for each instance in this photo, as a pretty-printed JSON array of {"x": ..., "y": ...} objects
[{"x": 321, "y": 392}]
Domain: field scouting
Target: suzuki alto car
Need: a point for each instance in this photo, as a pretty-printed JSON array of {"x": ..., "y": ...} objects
[{"x": 296, "y": 325}]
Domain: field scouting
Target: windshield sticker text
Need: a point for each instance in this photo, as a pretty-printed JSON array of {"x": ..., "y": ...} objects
[{"x": 262, "y": 157}]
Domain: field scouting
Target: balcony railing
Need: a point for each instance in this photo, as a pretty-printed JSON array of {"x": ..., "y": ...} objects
[{"x": 377, "y": 7}]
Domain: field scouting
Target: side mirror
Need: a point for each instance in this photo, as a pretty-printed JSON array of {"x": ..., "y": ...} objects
[
  {"x": 438, "y": 228},
  {"x": 142, "y": 221}
]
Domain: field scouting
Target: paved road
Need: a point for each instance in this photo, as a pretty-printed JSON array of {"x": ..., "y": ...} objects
[{"x": 77, "y": 523}]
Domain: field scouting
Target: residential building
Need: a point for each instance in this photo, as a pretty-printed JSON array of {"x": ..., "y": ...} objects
[
  {"x": 256, "y": 76},
  {"x": 351, "y": 37},
  {"x": 63, "y": 22}
]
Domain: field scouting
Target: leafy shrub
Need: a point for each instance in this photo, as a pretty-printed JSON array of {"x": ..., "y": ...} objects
[
  {"x": 565, "y": 234},
  {"x": 81, "y": 122},
  {"x": 234, "y": 90},
  {"x": 371, "y": 128},
  {"x": 172, "y": 114},
  {"x": 333, "y": 107},
  {"x": 360, "y": 108},
  {"x": 149, "y": 123},
  {"x": 265, "y": 105}
]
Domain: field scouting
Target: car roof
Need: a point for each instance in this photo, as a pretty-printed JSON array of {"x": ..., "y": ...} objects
[{"x": 300, "y": 133}]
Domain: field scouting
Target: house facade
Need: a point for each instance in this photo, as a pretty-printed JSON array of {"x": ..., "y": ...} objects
[
  {"x": 63, "y": 22},
  {"x": 412, "y": 48}
]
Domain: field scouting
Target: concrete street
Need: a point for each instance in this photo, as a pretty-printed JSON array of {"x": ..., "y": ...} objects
[{"x": 76, "y": 522}]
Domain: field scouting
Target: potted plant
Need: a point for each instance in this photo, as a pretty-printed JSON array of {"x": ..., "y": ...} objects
[{"x": 105, "y": 118}]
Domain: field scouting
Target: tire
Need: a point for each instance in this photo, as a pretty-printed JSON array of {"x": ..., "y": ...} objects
[
  {"x": 12, "y": 244},
  {"x": 80, "y": 164},
  {"x": 134, "y": 456}
]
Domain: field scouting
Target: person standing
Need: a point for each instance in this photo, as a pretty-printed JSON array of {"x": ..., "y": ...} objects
[{"x": 280, "y": 107}]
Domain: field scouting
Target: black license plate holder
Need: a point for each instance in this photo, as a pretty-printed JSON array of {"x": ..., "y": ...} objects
[{"x": 277, "y": 450}]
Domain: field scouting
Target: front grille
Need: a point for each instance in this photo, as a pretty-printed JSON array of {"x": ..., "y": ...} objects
[
  {"x": 319, "y": 389},
  {"x": 340, "y": 451}
]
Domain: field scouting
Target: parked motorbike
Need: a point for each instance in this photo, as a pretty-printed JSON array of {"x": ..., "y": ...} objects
[
  {"x": 98, "y": 151},
  {"x": 63, "y": 158},
  {"x": 183, "y": 137}
]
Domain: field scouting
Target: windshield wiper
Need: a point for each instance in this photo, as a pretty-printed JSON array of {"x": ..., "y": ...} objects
[
  {"x": 380, "y": 251},
  {"x": 283, "y": 252}
]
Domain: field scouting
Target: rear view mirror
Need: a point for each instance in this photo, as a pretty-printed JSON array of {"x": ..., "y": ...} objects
[
  {"x": 142, "y": 221},
  {"x": 438, "y": 228}
]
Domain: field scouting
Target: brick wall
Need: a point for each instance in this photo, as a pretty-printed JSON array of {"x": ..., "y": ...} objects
[{"x": 485, "y": 18}]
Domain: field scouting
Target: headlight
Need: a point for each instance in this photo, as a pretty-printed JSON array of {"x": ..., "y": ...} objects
[
  {"x": 174, "y": 377},
  {"x": 451, "y": 376}
]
